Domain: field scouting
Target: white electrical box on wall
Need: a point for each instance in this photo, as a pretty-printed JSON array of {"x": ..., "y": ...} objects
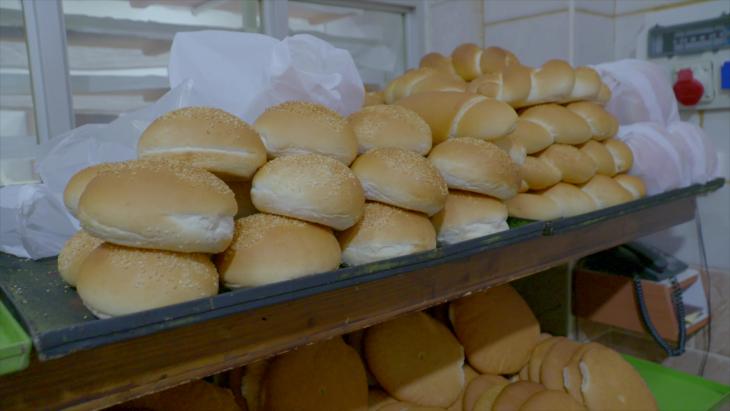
[{"x": 706, "y": 70}]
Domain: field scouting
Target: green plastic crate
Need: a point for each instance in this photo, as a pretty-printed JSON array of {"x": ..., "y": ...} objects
[
  {"x": 14, "y": 344},
  {"x": 678, "y": 391}
]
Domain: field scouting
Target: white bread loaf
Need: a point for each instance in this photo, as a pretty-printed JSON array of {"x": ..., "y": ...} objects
[
  {"x": 267, "y": 249},
  {"x": 564, "y": 126},
  {"x": 310, "y": 187},
  {"x": 401, "y": 178},
  {"x": 118, "y": 280},
  {"x": 205, "y": 137},
  {"x": 159, "y": 204},
  {"x": 603, "y": 125},
  {"x": 478, "y": 166},
  {"x": 386, "y": 232},
  {"x": 300, "y": 127},
  {"x": 469, "y": 215},
  {"x": 380, "y": 126},
  {"x": 457, "y": 114}
]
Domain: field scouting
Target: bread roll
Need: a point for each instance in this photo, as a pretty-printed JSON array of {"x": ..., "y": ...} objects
[
  {"x": 207, "y": 138},
  {"x": 606, "y": 192},
  {"x": 556, "y": 358},
  {"x": 469, "y": 376},
  {"x": 623, "y": 158},
  {"x": 565, "y": 126},
  {"x": 495, "y": 343},
  {"x": 600, "y": 156},
  {"x": 468, "y": 215},
  {"x": 603, "y": 125},
  {"x": 513, "y": 147},
  {"x": 611, "y": 383},
  {"x": 511, "y": 85},
  {"x": 439, "y": 62},
  {"x": 572, "y": 378},
  {"x": 268, "y": 249},
  {"x": 484, "y": 384},
  {"x": 632, "y": 184},
  {"x": 575, "y": 166},
  {"x": 159, "y": 205},
  {"x": 382, "y": 126},
  {"x": 551, "y": 400},
  {"x": 467, "y": 60},
  {"x": 118, "y": 280},
  {"x": 497, "y": 59},
  {"x": 552, "y": 82},
  {"x": 533, "y": 207},
  {"x": 416, "y": 359},
  {"x": 242, "y": 192},
  {"x": 74, "y": 253},
  {"x": 515, "y": 395},
  {"x": 194, "y": 395},
  {"x": 571, "y": 199},
  {"x": 373, "y": 98},
  {"x": 386, "y": 232},
  {"x": 533, "y": 136},
  {"x": 457, "y": 114},
  {"x": 401, "y": 178},
  {"x": 538, "y": 355},
  {"x": 421, "y": 80},
  {"x": 326, "y": 376},
  {"x": 477, "y": 166},
  {"x": 299, "y": 127},
  {"x": 310, "y": 187},
  {"x": 540, "y": 174},
  {"x": 587, "y": 85},
  {"x": 604, "y": 95},
  {"x": 77, "y": 184}
]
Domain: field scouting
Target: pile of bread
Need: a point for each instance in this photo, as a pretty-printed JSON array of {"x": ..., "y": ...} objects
[{"x": 484, "y": 353}]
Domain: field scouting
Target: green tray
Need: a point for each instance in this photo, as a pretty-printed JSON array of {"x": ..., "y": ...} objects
[
  {"x": 678, "y": 391},
  {"x": 14, "y": 344}
]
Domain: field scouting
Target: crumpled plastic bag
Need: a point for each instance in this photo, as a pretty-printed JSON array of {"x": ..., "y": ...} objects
[
  {"x": 640, "y": 92},
  {"x": 242, "y": 73}
]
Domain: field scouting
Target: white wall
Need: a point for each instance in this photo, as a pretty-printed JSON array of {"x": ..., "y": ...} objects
[{"x": 453, "y": 22}]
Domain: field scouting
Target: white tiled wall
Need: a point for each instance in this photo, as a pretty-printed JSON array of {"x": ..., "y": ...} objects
[
  {"x": 593, "y": 39},
  {"x": 528, "y": 40},
  {"x": 453, "y": 22}
]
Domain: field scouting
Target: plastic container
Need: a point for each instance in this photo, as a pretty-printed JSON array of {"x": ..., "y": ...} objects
[
  {"x": 678, "y": 391},
  {"x": 14, "y": 344}
]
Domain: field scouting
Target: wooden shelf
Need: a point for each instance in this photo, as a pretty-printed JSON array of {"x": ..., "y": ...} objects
[{"x": 150, "y": 359}]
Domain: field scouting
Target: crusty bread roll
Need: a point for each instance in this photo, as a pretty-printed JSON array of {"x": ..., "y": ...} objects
[
  {"x": 552, "y": 82},
  {"x": 533, "y": 207},
  {"x": 386, "y": 232},
  {"x": 539, "y": 174},
  {"x": 551, "y": 400},
  {"x": 159, "y": 205},
  {"x": 632, "y": 184},
  {"x": 207, "y": 138},
  {"x": 602, "y": 123},
  {"x": 511, "y": 85},
  {"x": 326, "y": 376},
  {"x": 459, "y": 114},
  {"x": 587, "y": 85},
  {"x": 74, "y": 253},
  {"x": 242, "y": 192},
  {"x": 310, "y": 187},
  {"x": 466, "y": 59},
  {"x": 611, "y": 383},
  {"x": 484, "y": 384},
  {"x": 478, "y": 166},
  {"x": 421, "y": 80},
  {"x": 515, "y": 395},
  {"x": 533, "y": 136},
  {"x": 118, "y": 280},
  {"x": 572, "y": 378},
  {"x": 556, "y": 358},
  {"x": 299, "y": 127},
  {"x": 401, "y": 178},
  {"x": 575, "y": 166},
  {"x": 416, "y": 359},
  {"x": 373, "y": 98},
  {"x": 469, "y": 215},
  {"x": 77, "y": 184},
  {"x": 600, "y": 156},
  {"x": 623, "y": 158},
  {"x": 251, "y": 383},
  {"x": 572, "y": 200},
  {"x": 495, "y": 344},
  {"x": 194, "y": 395},
  {"x": 497, "y": 59},
  {"x": 604, "y": 95},
  {"x": 513, "y": 147},
  {"x": 606, "y": 192},
  {"x": 439, "y": 62},
  {"x": 537, "y": 356},
  {"x": 268, "y": 248},
  {"x": 565, "y": 126},
  {"x": 381, "y": 126}
]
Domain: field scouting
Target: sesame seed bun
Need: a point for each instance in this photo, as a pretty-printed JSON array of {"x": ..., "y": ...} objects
[
  {"x": 74, "y": 253},
  {"x": 118, "y": 280},
  {"x": 77, "y": 184},
  {"x": 382, "y": 126},
  {"x": 469, "y": 215}
]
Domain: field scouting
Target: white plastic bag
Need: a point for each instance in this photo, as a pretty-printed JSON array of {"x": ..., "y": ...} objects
[
  {"x": 656, "y": 160},
  {"x": 640, "y": 92},
  {"x": 700, "y": 152}
]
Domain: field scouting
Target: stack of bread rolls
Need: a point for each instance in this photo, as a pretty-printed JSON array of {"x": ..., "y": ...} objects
[{"x": 488, "y": 355}]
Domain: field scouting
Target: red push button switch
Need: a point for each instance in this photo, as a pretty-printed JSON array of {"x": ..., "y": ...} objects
[{"x": 687, "y": 89}]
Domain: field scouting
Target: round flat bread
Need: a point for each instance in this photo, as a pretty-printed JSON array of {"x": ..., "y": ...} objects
[
  {"x": 551, "y": 372},
  {"x": 478, "y": 386},
  {"x": 469, "y": 376},
  {"x": 572, "y": 378},
  {"x": 514, "y": 395},
  {"x": 538, "y": 355},
  {"x": 551, "y": 400}
]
